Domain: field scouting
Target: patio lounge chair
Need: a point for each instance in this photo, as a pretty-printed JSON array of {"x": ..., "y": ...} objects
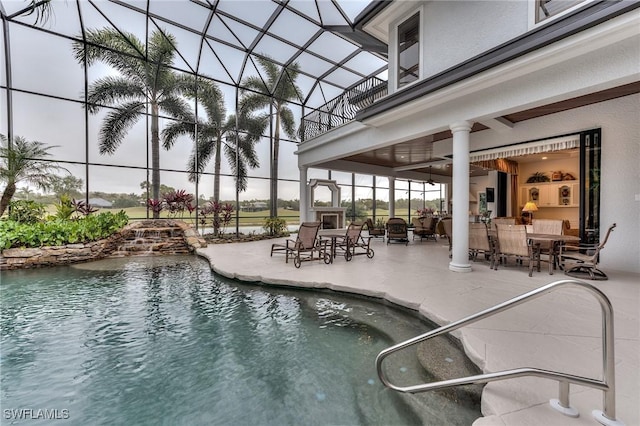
[
  {"x": 353, "y": 243},
  {"x": 373, "y": 231},
  {"x": 424, "y": 227},
  {"x": 585, "y": 265},
  {"x": 304, "y": 246},
  {"x": 397, "y": 230}
]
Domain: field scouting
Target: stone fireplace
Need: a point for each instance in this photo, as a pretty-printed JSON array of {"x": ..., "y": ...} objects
[{"x": 331, "y": 217}]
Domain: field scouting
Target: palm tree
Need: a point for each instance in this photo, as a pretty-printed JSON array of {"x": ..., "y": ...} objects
[
  {"x": 145, "y": 79},
  {"x": 22, "y": 161},
  {"x": 274, "y": 93},
  {"x": 217, "y": 136},
  {"x": 41, "y": 8}
]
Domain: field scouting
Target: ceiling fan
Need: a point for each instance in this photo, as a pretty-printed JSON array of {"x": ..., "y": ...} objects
[{"x": 430, "y": 181}]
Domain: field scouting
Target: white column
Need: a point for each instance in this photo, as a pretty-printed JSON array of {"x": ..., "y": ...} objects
[
  {"x": 392, "y": 197},
  {"x": 304, "y": 194},
  {"x": 460, "y": 184}
]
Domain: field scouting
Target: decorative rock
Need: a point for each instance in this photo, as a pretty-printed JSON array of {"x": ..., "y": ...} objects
[{"x": 147, "y": 237}]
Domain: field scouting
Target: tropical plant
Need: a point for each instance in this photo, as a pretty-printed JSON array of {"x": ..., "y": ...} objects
[
  {"x": 57, "y": 232},
  {"x": 24, "y": 161},
  {"x": 176, "y": 202},
  {"x": 25, "y": 211},
  {"x": 219, "y": 214},
  {"x": 274, "y": 94},
  {"x": 275, "y": 226},
  {"x": 217, "y": 136},
  {"x": 83, "y": 208},
  {"x": 145, "y": 79},
  {"x": 42, "y": 9}
]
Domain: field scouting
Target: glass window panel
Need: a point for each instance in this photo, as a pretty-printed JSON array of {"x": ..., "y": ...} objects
[
  {"x": 342, "y": 178},
  {"x": 288, "y": 191},
  {"x": 220, "y": 31},
  {"x": 3, "y": 73},
  {"x": 312, "y": 64},
  {"x": 255, "y": 12},
  {"x": 332, "y": 46},
  {"x": 78, "y": 173},
  {"x": 343, "y": 78},
  {"x": 187, "y": 45},
  {"x": 329, "y": 14},
  {"x": 382, "y": 182},
  {"x": 4, "y": 119},
  {"x": 120, "y": 17},
  {"x": 232, "y": 58},
  {"x": 189, "y": 14},
  {"x": 549, "y": 8},
  {"x": 409, "y": 50},
  {"x": 246, "y": 34},
  {"x": 132, "y": 151},
  {"x": 275, "y": 49},
  {"x": 353, "y": 8},
  {"x": 51, "y": 121},
  {"x": 294, "y": 28},
  {"x": 118, "y": 180},
  {"x": 176, "y": 181},
  {"x": 35, "y": 51},
  {"x": 257, "y": 190},
  {"x": 288, "y": 162},
  {"x": 364, "y": 180},
  {"x": 64, "y": 17},
  {"x": 330, "y": 91},
  {"x": 305, "y": 7},
  {"x": 177, "y": 157},
  {"x": 366, "y": 63}
]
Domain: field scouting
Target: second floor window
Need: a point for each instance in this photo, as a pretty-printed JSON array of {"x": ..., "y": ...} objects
[
  {"x": 548, "y": 8},
  {"x": 409, "y": 50}
]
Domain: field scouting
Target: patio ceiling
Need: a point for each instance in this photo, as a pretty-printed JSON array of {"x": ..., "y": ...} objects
[{"x": 416, "y": 154}]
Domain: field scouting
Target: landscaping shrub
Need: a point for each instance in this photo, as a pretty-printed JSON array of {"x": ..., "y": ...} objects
[
  {"x": 25, "y": 211},
  {"x": 59, "y": 232}
]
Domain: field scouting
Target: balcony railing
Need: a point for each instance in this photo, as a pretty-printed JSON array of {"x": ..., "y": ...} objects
[{"x": 342, "y": 109}]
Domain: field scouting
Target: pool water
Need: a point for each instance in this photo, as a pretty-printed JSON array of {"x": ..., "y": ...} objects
[{"x": 162, "y": 340}]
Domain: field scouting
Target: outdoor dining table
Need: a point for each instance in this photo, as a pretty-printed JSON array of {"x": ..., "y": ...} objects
[
  {"x": 334, "y": 237},
  {"x": 553, "y": 241}
]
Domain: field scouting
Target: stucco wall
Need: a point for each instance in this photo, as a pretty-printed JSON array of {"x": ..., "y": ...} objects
[{"x": 455, "y": 31}]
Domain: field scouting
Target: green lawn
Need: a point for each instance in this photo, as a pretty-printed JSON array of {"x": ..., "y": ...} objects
[{"x": 246, "y": 218}]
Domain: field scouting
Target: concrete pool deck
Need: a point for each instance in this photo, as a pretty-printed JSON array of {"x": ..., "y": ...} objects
[{"x": 560, "y": 331}]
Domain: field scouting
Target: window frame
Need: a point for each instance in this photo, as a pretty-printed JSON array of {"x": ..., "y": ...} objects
[
  {"x": 408, "y": 17},
  {"x": 534, "y": 12}
]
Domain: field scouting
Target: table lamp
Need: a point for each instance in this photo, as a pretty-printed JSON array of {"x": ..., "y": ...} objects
[{"x": 530, "y": 207}]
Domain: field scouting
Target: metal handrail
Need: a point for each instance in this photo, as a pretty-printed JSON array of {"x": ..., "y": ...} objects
[{"x": 607, "y": 416}]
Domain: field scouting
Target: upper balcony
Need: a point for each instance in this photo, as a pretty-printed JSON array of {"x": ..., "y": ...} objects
[{"x": 343, "y": 108}]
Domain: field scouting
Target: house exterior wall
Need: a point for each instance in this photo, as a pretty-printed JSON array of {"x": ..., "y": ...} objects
[{"x": 455, "y": 31}]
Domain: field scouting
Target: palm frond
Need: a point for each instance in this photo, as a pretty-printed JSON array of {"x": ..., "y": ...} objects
[
  {"x": 111, "y": 90},
  {"x": 116, "y": 124},
  {"x": 288, "y": 122}
]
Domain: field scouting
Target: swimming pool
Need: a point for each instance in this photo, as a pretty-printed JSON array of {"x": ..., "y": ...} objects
[{"x": 163, "y": 340}]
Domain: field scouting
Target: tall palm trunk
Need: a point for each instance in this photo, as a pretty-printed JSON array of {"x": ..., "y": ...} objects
[
  {"x": 155, "y": 155},
  {"x": 216, "y": 181},
  {"x": 8, "y": 193},
  {"x": 274, "y": 167}
]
